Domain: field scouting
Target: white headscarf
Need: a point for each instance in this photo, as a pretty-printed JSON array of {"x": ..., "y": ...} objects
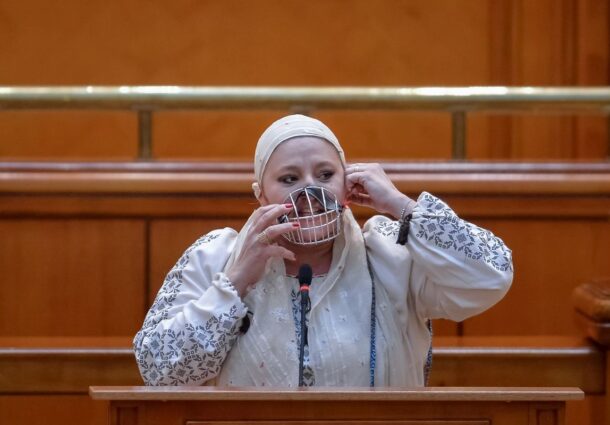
[
  {"x": 339, "y": 319},
  {"x": 282, "y": 130}
]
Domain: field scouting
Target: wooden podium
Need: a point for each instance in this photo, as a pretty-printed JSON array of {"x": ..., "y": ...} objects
[{"x": 336, "y": 406}]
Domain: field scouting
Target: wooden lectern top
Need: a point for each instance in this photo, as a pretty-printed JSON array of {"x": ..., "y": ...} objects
[
  {"x": 338, "y": 393},
  {"x": 344, "y": 406}
]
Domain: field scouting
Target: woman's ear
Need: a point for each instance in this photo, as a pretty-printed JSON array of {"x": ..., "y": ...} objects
[
  {"x": 262, "y": 199},
  {"x": 258, "y": 193}
]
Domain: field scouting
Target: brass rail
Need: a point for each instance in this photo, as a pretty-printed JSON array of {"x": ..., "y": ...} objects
[{"x": 458, "y": 101}]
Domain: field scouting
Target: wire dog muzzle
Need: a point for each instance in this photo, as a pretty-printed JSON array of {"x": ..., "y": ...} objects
[{"x": 318, "y": 213}]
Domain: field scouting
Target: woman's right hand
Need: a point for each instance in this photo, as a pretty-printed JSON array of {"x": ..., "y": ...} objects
[{"x": 259, "y": 245}]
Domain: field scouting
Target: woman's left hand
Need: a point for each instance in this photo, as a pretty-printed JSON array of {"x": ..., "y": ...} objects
[{"x": 368, "y": 185}]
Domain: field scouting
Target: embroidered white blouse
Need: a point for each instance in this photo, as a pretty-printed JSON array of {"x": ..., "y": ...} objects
[{"x": 449, "y": 268}]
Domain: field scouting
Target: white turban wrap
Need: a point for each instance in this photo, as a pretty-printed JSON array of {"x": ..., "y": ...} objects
[{"x": 282, "y": 130}]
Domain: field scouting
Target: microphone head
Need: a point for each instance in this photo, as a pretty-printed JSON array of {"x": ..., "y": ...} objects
[{"x": 305, "y": 274}]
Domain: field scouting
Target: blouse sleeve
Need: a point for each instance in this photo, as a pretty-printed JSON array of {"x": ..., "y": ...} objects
[
  {"x": 194, "y": 319},
  {"x": 449, "y": 268}
]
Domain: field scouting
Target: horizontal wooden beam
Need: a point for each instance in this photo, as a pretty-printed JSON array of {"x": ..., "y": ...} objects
[
  {"x": 337, "y": 394},
  {"x": 223, "y": 189},
  {"x": 236, "y": 178},
  {"x": 71, "y": 365},
  {"x": 221, "y": 183}
]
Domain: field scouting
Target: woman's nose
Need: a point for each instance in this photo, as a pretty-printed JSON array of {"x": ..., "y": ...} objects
[{"x": 309, "y": 180}]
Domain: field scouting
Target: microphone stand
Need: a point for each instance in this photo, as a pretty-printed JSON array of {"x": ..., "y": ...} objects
[{"x": 305, "y": 306}]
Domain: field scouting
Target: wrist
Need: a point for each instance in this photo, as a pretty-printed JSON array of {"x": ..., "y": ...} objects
[
  {"x": 237, "y": 282},
  {"x": 402, "y": 206}
]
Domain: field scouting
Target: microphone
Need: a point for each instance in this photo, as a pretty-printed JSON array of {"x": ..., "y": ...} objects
[{"x": 304, "y": 277}]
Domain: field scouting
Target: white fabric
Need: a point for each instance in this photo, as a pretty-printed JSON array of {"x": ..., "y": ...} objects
[
  {"x": 284, "y": 129},
  {"x": 335, "y": 340},
  {"x": 449, "y": 269}
]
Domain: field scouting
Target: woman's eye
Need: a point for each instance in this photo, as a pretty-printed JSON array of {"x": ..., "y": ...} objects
[
  {"x": 326, "y": 175},
  {"x": 287, "y": 179}
]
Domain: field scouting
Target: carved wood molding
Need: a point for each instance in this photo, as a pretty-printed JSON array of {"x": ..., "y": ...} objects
[
  {"x": 592, "y": 303},
  {"x": 593, "y": 300}
]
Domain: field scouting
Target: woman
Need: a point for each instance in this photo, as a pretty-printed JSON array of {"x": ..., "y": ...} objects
[{"x": 228, "y": 312}]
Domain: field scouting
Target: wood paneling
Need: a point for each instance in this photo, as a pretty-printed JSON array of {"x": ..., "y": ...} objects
[
  {"x": 57, "y": 366},
  {"x": 592, "y": 68},
  {"x": 232, "y": 42},
  {"x": 121, "y": 227},
  {"x": 78, "y": 135},
  {"x": 52, "y": 410},
  {"x": 33, "y": 365},
  {"x": 230, "y": 180},
  {"x": 551, "y": 257},
  {"x": 554, "y": 43},
  {"x": 437, "y": 406},
  {"x": 71, "y": 277},
  {"x": 70, "y": 365},
  {"x": 235, "y": 43},
  {"x": 70, "y": 259},
  {"x": 382, "y": 43}
]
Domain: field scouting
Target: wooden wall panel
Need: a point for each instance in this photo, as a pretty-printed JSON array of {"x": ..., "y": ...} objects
[
  {"x": 477, "y": 361},
  {"x": 592, "y": 69},
  {"x": 551, "y": 257},
  {"x": 52, "y": 410},
  {"x": 588, "y": 411},
  {"x": 60, "y": 410},
  {"x": 90, "y": 263},
  {"x": 236, "y": 42},
  {"x": 548, "y": 43},
  {"x": 544, "y": 51},
  {"x": 239, "y": 43},
  {"x": 371, "y": 134},
  {"x": 78, "y": 135},
  {"x": 383, "y": 43},
  {"x": 71, "y": 277}
]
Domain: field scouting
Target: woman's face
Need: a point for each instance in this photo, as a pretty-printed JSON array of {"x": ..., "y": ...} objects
[{"x": 300, "y": 162}]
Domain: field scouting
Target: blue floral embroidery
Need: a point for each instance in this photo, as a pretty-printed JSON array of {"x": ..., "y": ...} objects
[
  {"x": 388, "y": 228},
  {"x": 193, "y": 354},
  {"x": 442, "y": 227}
]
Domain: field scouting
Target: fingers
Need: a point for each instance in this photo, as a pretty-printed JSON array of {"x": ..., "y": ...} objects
[
  {"x": 356, "y": 194},
  {"x": 260, "y": 211},
  {"x": 276, "y": 230},
  {"x": 280, "y": 251},
  {"x": 354, "y": 182},
  {"x": 361, "y": 199},
  {"x": 355, "y": 179},
  {"x": 356, "y": 168},
  {"x": 365, "y": 168},
  {"x": 268, "y": 237},
  {"x": 268, "y": 215},
  {"x": 356, "y": 175},
  {"x": 266, "y": 240}
]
